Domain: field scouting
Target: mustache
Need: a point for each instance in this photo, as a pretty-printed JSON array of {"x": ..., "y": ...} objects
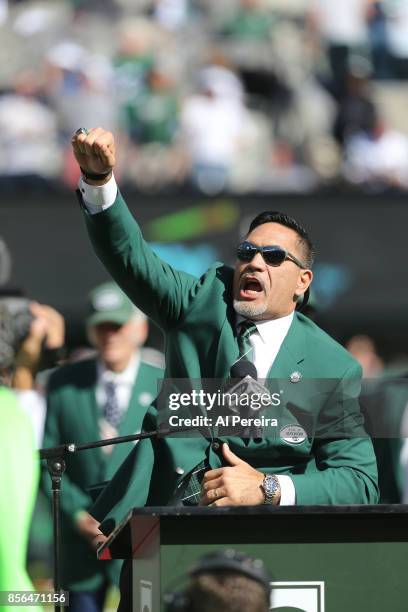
[{"x": 250, "y": 276}]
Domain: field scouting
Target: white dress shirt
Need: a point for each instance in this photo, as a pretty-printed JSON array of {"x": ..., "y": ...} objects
[
  {"x": 266, "y": 343},
  {"x": 123, "y": 382}
]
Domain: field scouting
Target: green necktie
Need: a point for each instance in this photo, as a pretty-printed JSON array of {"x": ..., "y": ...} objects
[
  {"x": 189, "y": 490},
  {"x": 246, "y": 329}
]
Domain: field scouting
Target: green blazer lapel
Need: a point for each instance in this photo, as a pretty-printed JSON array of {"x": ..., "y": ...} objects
[
  {"x": 227, "y": 350},
  {"x": 91, "y": 412},
  {"x": 133, "y": 417},
  {"x": 91, "y": 415},
  {"x": 288, "y": 368},
  {"x": 292, "y": 353}
]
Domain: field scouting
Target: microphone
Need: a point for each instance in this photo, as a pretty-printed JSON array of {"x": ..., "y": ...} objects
[
  {"x": 246, "y": 396},
  {"x": 243, "y": 381},
  {"x": 243, "y": 368}
]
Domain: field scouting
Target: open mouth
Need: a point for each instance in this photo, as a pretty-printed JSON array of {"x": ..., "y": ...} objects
[{"x": 250, "y": 288}]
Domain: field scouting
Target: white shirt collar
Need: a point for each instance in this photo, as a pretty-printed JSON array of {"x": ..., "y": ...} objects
[
  {"x": 126, "y": 376},
  {"x": 269, "y": 329}
]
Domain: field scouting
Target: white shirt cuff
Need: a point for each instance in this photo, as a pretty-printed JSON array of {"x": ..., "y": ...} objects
[
  {"x": 98, "y": 198},
  {"x": 288, "y": 493}
]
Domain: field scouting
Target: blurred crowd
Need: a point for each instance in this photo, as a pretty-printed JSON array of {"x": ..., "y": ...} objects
[{"x": 240, "y": 95}]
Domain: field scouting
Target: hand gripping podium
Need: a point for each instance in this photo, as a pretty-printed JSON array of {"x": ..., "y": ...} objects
[{"x": 322, "y": 558}]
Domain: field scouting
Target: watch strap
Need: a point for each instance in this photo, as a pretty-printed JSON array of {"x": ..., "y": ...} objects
[{"x": 93, "y": 176}]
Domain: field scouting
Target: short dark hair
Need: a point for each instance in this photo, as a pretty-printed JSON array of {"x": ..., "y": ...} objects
[
  {"x": 275, "y": 216},
  {"x": 226, "y": 591}
]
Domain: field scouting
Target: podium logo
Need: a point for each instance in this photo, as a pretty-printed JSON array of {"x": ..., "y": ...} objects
[
  {"x": 146, "y": 604},
  {"x": 297, "y": 596}
]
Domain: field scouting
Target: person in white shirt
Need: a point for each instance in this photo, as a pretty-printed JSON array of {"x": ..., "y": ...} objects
[
  {"x": 212, "y": 128},
  {"x": 343, "y": 29}
]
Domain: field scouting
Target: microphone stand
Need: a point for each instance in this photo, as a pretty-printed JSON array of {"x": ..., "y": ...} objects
[{"x": 56, "y": 465}]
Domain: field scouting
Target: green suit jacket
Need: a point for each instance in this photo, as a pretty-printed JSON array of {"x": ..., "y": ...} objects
[
  {"x": 72, "y": 416},
  {"x": 198, "y": 320},
  {"x": 384, "y": 401}
]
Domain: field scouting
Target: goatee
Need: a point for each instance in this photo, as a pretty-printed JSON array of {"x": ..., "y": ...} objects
[{"x": 249, "y": 310}]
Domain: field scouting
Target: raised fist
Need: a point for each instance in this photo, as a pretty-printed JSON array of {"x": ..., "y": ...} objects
[{"x": 95, "y": 151}]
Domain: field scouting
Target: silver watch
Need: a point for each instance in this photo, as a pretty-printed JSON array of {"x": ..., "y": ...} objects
[{"x": 271, "y": 488}]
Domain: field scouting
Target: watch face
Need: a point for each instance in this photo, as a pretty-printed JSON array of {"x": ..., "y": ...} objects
[{"x": 270, "y": 485}]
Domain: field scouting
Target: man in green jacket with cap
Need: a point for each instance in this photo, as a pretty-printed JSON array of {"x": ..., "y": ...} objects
[
  {"x": 94, "y": 399},
  {"x": 320, "y": 453}
]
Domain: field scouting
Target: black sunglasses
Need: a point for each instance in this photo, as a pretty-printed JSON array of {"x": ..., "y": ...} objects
[{"x": 273, "y": 255}]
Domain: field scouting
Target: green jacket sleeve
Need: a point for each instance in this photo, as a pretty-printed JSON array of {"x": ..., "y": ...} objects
[
  {"x": 345, "y": 465},
  {"x": 160, "y": 291},
  {"x": 128, "y": 488},
  {"x": 72, "y": 498},
  {"x": 346, "y": 474}
]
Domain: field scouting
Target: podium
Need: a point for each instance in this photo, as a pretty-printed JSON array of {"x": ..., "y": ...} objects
[{"x": 322, "y": 558}]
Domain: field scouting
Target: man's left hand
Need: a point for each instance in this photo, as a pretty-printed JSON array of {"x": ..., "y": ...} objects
[{"x": 237, "y": 485}]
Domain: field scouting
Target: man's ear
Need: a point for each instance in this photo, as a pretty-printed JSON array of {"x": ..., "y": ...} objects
[{"x": 304, "y": 280}]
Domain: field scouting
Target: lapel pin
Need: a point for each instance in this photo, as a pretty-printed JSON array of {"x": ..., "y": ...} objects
[{"x": 295, "y": 377}]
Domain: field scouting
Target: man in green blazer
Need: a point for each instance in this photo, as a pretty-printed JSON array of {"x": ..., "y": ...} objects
[
  {"x": 384, "y": 401},
  {"x": 319, "y": 453},
  {"x": 91, "y": 399}
]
